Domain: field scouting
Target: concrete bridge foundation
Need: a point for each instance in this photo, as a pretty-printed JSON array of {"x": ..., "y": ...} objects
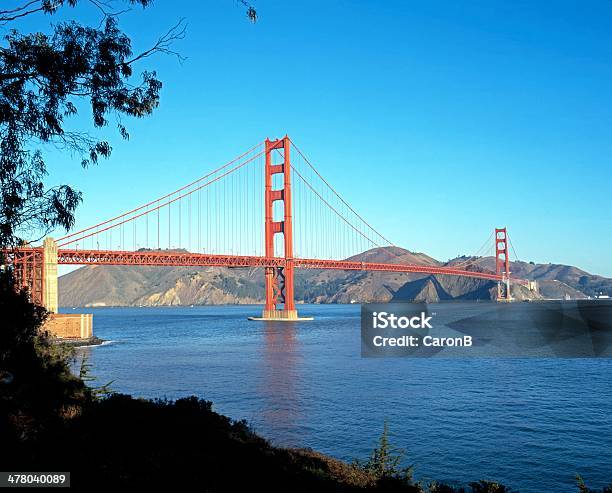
[{"x": 61, "y": 325}]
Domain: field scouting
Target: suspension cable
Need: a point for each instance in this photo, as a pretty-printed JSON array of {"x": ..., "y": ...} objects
[
  {"x": 161, "y": 198},
  {"x": 168, "y": 203},
  {"x": 339, "y": 196}
]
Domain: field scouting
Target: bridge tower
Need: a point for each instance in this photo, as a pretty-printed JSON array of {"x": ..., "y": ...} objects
[
  {"x": 279, "y": 280},
  {"x": 502, "y": 264},
  {"x": 36, "y": 270},
  {"x": 50, "y": 291}
]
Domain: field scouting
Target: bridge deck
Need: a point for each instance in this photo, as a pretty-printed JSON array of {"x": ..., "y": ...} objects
[{"x": 109, "y": 257}]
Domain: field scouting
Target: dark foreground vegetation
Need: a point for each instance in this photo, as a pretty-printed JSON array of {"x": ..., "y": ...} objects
[{"x": 50, "y": 420}]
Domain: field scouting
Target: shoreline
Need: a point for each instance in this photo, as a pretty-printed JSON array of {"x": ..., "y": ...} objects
[{"x": 90, "y": 341}]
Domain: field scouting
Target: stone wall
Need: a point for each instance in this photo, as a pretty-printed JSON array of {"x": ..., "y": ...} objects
[{"x": 70, "y": 325}]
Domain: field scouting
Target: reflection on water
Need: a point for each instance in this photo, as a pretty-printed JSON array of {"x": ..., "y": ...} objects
[{"x": 281, "y": 377}]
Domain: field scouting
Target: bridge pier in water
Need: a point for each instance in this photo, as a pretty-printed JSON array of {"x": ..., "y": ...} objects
[
  {"x": 279, "y": 281},
  {"x": 502, "y": 265}
]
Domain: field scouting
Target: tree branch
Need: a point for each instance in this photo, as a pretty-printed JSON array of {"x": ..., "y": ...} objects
[
  {"x": 17, "y": 9},
  {"x": 163, "y": 43}
]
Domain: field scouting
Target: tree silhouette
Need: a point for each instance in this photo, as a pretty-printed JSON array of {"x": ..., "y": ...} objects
[{"x": 385, "y": 462}]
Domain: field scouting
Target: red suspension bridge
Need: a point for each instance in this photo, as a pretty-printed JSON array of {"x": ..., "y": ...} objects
[{"x": 217, "y": 220}]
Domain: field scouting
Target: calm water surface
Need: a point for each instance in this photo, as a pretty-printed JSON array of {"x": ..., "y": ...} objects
[{"x": 532, "y": 424}]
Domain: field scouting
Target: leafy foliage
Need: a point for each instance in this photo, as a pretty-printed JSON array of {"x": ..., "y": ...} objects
[
  {"x": 180, "y": 445},
  {"x": 385, "y": 466},
  {"x": 386, "y": 460},
  {"x": 37, "y": 389},
  {"x": 583, "y": 488},
  {"x": 44, "y": 79},
  {"x": 86, "y": 377}
]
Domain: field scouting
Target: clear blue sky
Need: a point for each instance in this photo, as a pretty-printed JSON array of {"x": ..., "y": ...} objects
[{"x": 436, "y": 120}]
